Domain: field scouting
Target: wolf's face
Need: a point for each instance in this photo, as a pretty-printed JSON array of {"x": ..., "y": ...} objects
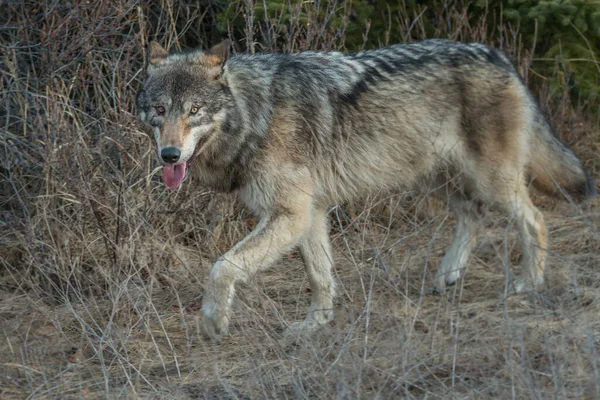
[{"x": 183, "y": 101}]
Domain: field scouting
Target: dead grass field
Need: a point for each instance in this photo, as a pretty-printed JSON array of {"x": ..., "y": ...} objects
[{"x": 102, "y": 267}]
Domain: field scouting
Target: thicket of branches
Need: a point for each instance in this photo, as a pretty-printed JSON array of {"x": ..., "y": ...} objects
[{"x": 93, "y": 243}]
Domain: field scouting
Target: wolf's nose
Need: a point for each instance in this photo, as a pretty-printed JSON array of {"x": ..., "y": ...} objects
[{"x": 170, "y": 155}]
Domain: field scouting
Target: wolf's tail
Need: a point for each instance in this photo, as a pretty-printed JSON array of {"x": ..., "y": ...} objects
[{"x": 555, "y": 168}]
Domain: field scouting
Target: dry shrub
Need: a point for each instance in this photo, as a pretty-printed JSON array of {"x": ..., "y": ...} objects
[{"x": 102, "y": 267}]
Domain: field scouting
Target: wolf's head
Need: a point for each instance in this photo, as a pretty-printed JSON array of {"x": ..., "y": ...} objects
[{"x": 183, "y": 101}]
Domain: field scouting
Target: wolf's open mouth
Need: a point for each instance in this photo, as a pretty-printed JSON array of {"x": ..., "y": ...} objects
[{"x": 173, "y": 174}]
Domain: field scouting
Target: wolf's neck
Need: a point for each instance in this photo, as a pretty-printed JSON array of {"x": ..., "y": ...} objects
[{"x": 225, "y": 164}]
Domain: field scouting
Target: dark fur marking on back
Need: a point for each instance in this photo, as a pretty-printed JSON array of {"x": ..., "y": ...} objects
[
  {"x": 471, "y": 133},
  {"x": 352, "y": 97}
]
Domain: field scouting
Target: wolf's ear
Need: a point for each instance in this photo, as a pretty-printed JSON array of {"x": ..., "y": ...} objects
[
  {"x": 213, "y": 58},
  {"x": 220, "y": 51},
  {"x": 156, "y": 53}
]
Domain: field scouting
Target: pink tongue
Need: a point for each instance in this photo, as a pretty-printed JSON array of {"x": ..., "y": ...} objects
[{"x": 173, "y": 175}]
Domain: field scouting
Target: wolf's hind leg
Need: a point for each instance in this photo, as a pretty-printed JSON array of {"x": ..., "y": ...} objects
[
  {"x": 465, "y": 237},
  {"x": 534, "y": 240}
]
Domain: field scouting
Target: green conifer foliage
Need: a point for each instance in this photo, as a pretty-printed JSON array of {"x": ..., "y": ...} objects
[
  {"x": 298, "y": 25},
  {"x": 566, "y": 34}
]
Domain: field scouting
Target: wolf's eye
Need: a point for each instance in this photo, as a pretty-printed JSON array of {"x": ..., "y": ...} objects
[
  {"x": 160, "y": 110},
  {"x": 194, "y": 109}
]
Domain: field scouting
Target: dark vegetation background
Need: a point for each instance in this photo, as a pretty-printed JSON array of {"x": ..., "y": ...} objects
[{"x": 101, "y": 267}]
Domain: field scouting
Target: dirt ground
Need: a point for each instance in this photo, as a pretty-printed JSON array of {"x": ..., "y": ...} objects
[
  {"x": 102, "y": 268},
  {"x": 392, "y": 336}
]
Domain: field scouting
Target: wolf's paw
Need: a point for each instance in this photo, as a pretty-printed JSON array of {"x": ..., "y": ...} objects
[
  {"x": 215, "y": 328},
  {"x": 303, "y": 328},
  {"x": 215, "y": 324},
  {"x": 313, "y": 322},
  {"x": 444, "y": 279},
  {"x": 299, "y": 330},
  {"x": 518, "y": 285},
  {"x": 521, "y": 285}
]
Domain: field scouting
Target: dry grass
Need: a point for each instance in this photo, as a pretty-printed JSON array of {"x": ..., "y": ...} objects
[{"x": 102, "y": 267}]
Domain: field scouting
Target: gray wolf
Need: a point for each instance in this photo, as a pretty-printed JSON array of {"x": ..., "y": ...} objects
[{"x": 294, "y": 134}]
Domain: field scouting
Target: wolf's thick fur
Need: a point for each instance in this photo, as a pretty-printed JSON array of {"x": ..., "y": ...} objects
[{"x": 295, "y": 134}]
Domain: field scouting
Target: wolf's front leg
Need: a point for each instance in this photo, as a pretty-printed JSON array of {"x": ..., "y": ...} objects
[
  {"x": 316, "y": 252},
  {"x": 275, "y": 234}
]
